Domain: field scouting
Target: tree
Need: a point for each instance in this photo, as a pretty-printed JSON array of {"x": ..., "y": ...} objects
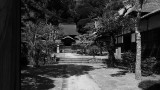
[
  {"x": 110, "y": 27},
  {"x": 48, "y": 10},
  {"x": 109, "y": 30},
  {"x": 37, "y": 37},
  {"x": 91, "y": 28},
  {"x": 100, "y": 43},
  {"x": 81, "y": 25},
  {"x": 93, "y": 50},
  {"x": 138, "y": 4},
  {"x": 85, "y": 40},
  {"x": 138, "y": 41},
  {"x": 97, "y": 6},
  {"x": 40, "y": 21},
  {"x": 88, "y": 10}
]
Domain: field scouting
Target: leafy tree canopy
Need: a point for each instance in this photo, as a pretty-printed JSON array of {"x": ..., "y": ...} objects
[{"x": 54, "y": 11}]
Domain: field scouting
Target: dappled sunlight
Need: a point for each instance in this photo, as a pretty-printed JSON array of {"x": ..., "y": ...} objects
[{"x": 39, "y": 78}]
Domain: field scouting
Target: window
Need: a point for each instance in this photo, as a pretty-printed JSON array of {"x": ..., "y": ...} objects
[
  {"x": 120, "y": 39},
  {"x": 133, "y": 38}
]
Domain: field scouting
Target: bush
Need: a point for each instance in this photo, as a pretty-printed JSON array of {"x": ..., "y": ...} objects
[
  {"x": 150, "y": 85},
  {"x": 148, "y": 64},
  {"x": 80, "y": 51},
  {"x": 128, "y": 59},
  {"x": 93, "y": 50},
  {"x": 156, "y": 68}
]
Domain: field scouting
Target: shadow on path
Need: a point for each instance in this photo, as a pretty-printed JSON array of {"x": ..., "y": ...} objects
[
  {"x": 34, "y": 82},
  {"x": 31, "y": 79},
  {"x": 119, "y": 73},
  {"x": 150, "y": 85}
]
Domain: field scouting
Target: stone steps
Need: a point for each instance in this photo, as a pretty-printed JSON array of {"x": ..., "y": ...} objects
[
  {"x": 64, "y": 60},
  {"x": 80, "y": 60}
]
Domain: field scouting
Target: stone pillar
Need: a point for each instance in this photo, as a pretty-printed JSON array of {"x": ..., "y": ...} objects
[{"x": 57, "y": 48}]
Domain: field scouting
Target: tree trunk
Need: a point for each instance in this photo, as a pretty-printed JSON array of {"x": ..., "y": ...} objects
[
  {"x": 36, "y": 57},
  {"x": 138, "y": 48},
  {"x": 111, "y": 52}
]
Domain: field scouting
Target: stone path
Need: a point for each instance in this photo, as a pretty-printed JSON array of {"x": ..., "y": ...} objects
[
  {"x": 74, "y": 55},
  {"x": 101, "y": 78},
  {"x": 113, "y": 79},
  {"x": 82, "y": 82},
  {"x": 80, "y": 77}
]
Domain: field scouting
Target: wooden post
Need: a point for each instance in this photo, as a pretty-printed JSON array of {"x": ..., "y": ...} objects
[{"x": 9, "y": 45}]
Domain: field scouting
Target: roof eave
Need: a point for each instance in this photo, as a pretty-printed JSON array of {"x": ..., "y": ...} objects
[{"x": 149, "y": 14}]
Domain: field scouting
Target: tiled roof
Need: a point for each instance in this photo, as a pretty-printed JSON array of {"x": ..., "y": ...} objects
[
  {"x": 68, "y": 37},
  {"x": 69, "y": 29},
  {"x": 149, "y": 7}
]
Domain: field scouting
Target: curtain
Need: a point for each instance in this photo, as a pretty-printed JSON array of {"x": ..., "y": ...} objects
[{"x": 9, "y": 44}]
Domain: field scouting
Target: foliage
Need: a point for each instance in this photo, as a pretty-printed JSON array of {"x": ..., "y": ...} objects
[
  {"x": 38, "y": 37},
  {"x": 156, "y": 67},
  {"x": 149, "y": 84},
  {"x": 93, "y": 50},
  {"x": 90, "y": 8},
  {"x": 48, "y": 10},
  {"x": 148, "y": 65},
  {"x": 87, "y": 10},
  {"x": 84, "y": 11},
  {"x": 110, "y": 27},
  {"x": 85, "y": 40},
  {"x": 40, "y": 21},
  {"x": 76, "y": 47},
  {"x": 81, "y": 24},
  {"x": 128, "y": 59}
]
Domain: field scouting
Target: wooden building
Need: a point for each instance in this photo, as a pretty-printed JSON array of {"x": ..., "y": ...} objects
[
  {"x": 70, "y": 33},
  {"x": 150, "y": 35}
]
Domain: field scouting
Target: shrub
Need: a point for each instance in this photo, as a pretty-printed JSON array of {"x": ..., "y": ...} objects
[
  {"x": 150, "y": 85},
  {"x": 156, "y": 68},
  {"x": 128, "y": 59},
  {"x": 148, "y": 64},
  {"x": 80, "y": 51},
  {"x": 93, "y": 50}
]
